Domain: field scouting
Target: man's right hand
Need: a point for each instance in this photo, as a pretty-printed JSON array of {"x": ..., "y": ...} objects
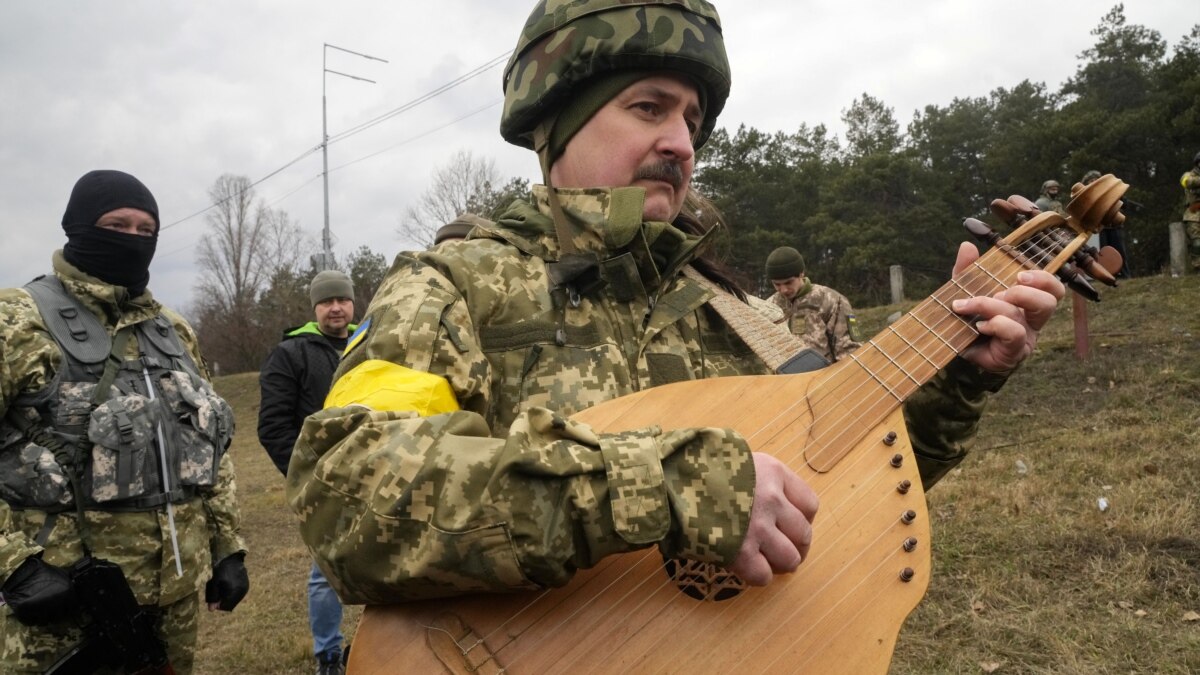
[
  {"x": 780, "y": 523},
  {"x": 39, "y": 593}
]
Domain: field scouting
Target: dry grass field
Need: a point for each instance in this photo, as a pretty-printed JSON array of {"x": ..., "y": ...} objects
[{"x": 1030, "y": 574}]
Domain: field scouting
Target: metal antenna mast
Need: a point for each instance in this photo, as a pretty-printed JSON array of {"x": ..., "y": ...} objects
[{"x": 326, "y": 261}]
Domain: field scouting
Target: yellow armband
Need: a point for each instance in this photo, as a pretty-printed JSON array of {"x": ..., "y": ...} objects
[{"x": 383, "y": 385}]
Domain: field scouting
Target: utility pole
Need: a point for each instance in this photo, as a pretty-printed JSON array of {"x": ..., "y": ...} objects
[{"x": 326, "y": 257}]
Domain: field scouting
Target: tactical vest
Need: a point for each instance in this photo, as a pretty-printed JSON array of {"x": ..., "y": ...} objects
[{"x": 155, "y": 435}]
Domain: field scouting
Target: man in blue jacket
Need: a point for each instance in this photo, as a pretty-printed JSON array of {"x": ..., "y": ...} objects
[{"x": 294, "y": 381}]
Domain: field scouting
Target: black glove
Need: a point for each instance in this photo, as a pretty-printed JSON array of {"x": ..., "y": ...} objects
[
  {"x": 229, "y": 583},
  {"x": 39, "y": 593}
]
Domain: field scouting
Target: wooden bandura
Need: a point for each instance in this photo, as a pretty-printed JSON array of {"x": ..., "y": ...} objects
[{"x": 841, "y": 429}]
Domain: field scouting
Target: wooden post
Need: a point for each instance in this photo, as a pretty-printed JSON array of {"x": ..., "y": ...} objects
[
  {"x": 897, "y": 273},
  {"x": 1079, "y": 314},
  {"x": 1179, "y": 249}
]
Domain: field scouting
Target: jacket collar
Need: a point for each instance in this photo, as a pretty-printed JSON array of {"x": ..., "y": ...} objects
[
  {"x": 606, "y": 222},
  {"x": 111, "y": 304}
]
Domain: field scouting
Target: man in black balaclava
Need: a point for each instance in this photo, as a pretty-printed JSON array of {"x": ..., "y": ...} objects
[
  {"x": 144, "y": 458},
  {"x": 111, "y": 223}
]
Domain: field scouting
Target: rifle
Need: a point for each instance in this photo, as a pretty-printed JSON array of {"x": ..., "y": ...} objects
[{"x": 121, "y": 634}]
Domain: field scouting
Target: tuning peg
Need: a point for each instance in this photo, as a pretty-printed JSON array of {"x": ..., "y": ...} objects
[
  {"x": 1110, "y": 259},
  {"x": 1076, "y": 281},
  {"x": 1024, "y": 206},
  {"x": 1086, "y": 259},
  {"x": 981, "y": 231},
  {"x": 1007, "y": 212}
]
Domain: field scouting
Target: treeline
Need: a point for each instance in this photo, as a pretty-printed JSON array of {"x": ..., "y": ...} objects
[
  {"x": 255, "y": 269},
  {"x": 880, "y": 196}
]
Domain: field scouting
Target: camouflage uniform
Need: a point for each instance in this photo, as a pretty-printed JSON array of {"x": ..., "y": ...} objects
[
  {"x": 401, "y": 497},
  {"x": 1191, "y": 215},
  {"x": 822, "y": 318},
  {"x": 139, "y": 541},
  {"x": 1046, "y": 202}
]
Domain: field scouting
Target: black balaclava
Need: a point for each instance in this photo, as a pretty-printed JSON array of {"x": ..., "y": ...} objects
[{"x": 113, "y": 257}]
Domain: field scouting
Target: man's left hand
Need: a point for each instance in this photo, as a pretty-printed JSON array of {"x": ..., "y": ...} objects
[
  {"x": 1009, "y": 321},
  {"x": 229, "y": 583}
]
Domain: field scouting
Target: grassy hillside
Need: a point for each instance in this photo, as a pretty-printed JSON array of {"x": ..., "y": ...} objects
[{"x": 1030, "y": 575}]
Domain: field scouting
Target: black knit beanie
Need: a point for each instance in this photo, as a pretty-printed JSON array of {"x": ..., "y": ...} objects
[
  {"x": 104, "y": 190},
  {"x": 784, "y": 262}
]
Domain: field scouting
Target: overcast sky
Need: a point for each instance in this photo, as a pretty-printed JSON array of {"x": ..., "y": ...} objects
[{"x": 178, "y": 93}]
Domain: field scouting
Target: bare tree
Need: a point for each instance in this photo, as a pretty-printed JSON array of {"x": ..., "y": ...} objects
[
  {"x": 460, "y": 186},
  {"x": 230, "y": 253},
  {"x": 248, "y": 247}
]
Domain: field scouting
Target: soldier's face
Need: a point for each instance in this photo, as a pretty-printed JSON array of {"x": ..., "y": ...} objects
[
  {"x": 642, "y": 138},
  {"x": 128, "y": 221},
  {"x": 789, "y": 287},
  {"x": 334, "y": 316}
]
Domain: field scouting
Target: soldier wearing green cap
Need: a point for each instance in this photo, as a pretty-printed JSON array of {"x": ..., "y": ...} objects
[
  {"x": 445, "y": 461},
  {"x": 820, "y": 316},
  {"x": 293, "y": 383}
]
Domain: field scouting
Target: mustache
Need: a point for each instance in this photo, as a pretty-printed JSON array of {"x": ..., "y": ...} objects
[{"x": 669, "y": 172}]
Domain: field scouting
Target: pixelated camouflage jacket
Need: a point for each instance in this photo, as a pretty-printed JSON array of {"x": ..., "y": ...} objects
[
  {"x": 507, "y": 493},
  {"x": 207, "y": 526},
  {"x": 822, "y": 319}
]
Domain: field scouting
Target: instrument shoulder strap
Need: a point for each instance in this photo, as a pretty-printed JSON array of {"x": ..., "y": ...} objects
[{"x": 782, "y": 351}]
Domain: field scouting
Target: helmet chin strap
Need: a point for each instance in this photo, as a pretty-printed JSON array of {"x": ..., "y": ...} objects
[
  {"x": 574, "y": 272},
  {"x": 541, "y": 145}
]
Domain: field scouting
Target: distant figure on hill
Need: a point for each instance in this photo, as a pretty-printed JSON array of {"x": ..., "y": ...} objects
[
  {"x": 1191, "y": 215},
  {"x": 1049, "y": 200},
  {"x": 294, "y": 381}
]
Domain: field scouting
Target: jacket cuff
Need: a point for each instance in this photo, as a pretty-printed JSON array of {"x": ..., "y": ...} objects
[{"x": 709, "y": 474}]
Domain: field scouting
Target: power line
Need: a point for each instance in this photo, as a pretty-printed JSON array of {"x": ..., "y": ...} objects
[
  {"x": 406, "y": 141},
  {"x": 242, "y": 191},
  {"x": 363, "y": 127},
  {"x": 359, "y": 128}
]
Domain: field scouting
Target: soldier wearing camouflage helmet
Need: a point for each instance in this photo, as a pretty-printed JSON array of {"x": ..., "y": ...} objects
[
  {"x": 821, "y": 317},
  {"x": 1049, "y": 199},
  {"x": 122, "y": 462},
  {"x": 449, "y": 413},
  {"x": 1190, "y": 182}
]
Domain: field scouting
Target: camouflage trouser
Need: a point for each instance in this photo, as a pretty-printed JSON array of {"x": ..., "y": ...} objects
[{"x": 28, "y": 649}]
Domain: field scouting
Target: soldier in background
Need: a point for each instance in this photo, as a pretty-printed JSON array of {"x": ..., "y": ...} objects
[
  {"x": 80, "y": 459},
  {"x": 820, "y": 316},
  {"x": 293, "y": 383},
  {"x": 1191, "y": 214},
  {"x": 445, "y": 461},
  {"x": 1049, "y": 200}
]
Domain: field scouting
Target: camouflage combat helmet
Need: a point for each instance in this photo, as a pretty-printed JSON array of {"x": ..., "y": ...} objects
[
  {"x": 1049, "y": 184},
  {"x": 566, "y": 42},
  {"x": 1090, "y": 176}
]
